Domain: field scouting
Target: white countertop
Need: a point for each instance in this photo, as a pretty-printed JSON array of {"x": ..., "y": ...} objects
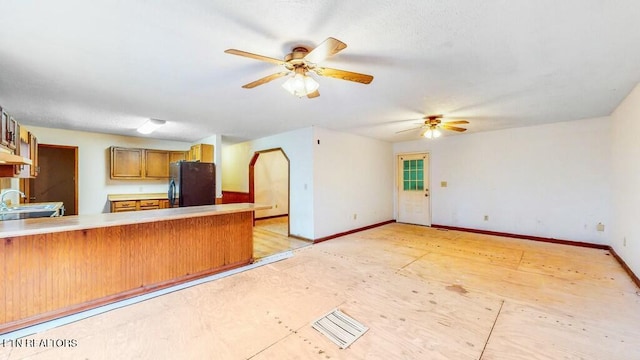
[{"x": 36, "y": 226}]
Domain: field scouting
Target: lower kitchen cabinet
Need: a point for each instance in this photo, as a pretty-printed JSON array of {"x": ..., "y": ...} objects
[
  {"x": 137, "y": 202},
  {"x": 121, "y": 206}
]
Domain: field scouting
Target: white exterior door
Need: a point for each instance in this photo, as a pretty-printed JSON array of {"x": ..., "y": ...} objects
[{"x": 413, "y": 189}]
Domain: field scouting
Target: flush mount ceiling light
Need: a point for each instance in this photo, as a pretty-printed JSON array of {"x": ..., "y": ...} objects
[
  {"x": 300, "y": 84},
  {"x": 150, "y": 126}
]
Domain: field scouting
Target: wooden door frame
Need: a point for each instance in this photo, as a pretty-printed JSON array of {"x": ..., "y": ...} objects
[
  {"x": 75, "y": 175},
  {"x": 252, "y": 196}
]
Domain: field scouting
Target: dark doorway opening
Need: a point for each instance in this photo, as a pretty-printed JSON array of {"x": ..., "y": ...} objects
[{"x": 58, "y": 177}]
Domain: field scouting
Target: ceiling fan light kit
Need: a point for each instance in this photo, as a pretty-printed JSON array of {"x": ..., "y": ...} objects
[
  {"x": 433, "y": 124},
  {"x": 301, "y": 84},
  {"x": 301, "y": 61},
  {"x": 432, "y": 133}
]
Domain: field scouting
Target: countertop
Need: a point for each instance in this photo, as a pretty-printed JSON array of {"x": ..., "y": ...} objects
[
  {"x": 81, "y": 222},
  {"x": 129, "y": 197}
]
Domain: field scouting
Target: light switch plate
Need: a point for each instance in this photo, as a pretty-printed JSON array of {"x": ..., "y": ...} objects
[{"x": 443, "y": 184}]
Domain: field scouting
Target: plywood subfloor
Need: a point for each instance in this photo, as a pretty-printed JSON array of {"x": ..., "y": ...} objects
[{"x": 424, "y": 294}]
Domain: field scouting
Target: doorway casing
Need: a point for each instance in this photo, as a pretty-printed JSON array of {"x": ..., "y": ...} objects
[{"x": 252, "y": 192}]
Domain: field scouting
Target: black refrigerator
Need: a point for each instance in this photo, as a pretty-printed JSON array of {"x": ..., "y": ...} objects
[{"x": 192, "y": 183}]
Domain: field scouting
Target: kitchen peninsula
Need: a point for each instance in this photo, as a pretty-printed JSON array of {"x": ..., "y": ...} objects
[{"x": 52, "y": 267}]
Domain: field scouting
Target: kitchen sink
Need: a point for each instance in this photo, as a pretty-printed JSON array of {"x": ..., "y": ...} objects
[
  {"x": 32, "y": 207},
  {"x": 26, "y": 215}
]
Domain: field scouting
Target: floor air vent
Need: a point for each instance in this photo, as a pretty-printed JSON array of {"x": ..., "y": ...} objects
[{"x": 340, "y": 328}]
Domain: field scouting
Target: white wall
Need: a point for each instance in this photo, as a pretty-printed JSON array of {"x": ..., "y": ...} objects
[
  {"x": 298, "y": 145},
  {"x": 271, "y": 182},
  {"x": 94, "y": 183},
  {"x": 626, "y": 180},
  {"x": 549, "y": 181},
  {"x": 353, "y": 177}
]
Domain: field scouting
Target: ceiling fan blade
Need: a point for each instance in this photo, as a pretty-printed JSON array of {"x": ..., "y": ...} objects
[
  {"x": 344, "y": 75},
  {"x": 401, "y": 131},
  {"x": 254, "y": 56},
  {"x": 265, "y": 80},
  {"x": 457, "y": 122},
  {"x": 313, "y": 94},
  {"x": 327, "y": 48},
  {"x": 454, "y": 128}
]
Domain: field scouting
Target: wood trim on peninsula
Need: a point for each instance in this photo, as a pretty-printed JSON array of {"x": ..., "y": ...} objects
[{"x": 94, "y": 266}]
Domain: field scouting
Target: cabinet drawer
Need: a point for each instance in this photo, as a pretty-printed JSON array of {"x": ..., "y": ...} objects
[
  {"x": 124, "y": 209},
  {"x": 149, "y": 203},
  {"x": 121, "y": 205}
]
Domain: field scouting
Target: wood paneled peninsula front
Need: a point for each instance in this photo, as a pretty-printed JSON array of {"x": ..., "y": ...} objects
[{"x": 51, "y": 267}]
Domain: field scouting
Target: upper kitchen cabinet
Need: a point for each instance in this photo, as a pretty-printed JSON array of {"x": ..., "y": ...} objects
[
  {"x": 13, "y": 133},
  {"x": 4, "y": 125},
  {"x": 142, "y": 164},
  {"x": 10, "y": 130},
  {"x": 16, "y": 154},
  {"x": 175, "y": 156},
  {"x": 126, "y": 163},
  {"x": 156, "y": 163},
  {"x": 201, "y": 152},
  {"x": 33, "y": 151},
  {"x": 27, "y": 147}
]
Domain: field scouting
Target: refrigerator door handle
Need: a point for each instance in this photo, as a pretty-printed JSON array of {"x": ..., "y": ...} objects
[{"x": 172, "y": 193}]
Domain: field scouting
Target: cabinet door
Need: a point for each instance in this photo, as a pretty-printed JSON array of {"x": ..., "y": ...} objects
[
  {"x": 13, "y": 133},
  {"x": 156, "y": 164},
  {"x": 22, "y": 149},
  {"x": 202, "y": 152},
  {"x": 194, "y": 154},
  {"x": 33, "y": 152},
  {"x": 175, "y": 156},
  {"x": 126, "y": 163},
  {"x": 4, "y": 126}
]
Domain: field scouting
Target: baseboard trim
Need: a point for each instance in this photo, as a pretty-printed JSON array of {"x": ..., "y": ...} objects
[
  {"x": 622, "y": 263},
  {"x": 272, "y": 217},
  {"x": 300, "y": 237},
  {"x": 626, "y": 267},
  {"x": 352, "y": 231},
  {"x": 525, "y": 237}
]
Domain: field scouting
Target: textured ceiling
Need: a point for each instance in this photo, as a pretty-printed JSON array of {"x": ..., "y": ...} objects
[{"x": 107, "y": 66}]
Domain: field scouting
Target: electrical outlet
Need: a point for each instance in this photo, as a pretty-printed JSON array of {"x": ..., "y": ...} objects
[
  {"x": 600, "y": 227},
  {"x": 624, "y": 241},
  {"x": 486, "y": 218},
  {"x": 275, "y": 206},
  {"x": 443, "y": 184},
  {"x": 355, "y": 216}
]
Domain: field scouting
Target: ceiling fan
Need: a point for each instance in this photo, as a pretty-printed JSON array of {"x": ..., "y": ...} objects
[
  {"x": 433, "y": 124},
  {"x": 300, "y": 62}
]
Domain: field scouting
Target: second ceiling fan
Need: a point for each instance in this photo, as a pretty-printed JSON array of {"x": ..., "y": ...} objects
[
  {"x": 300, "y": 62},
  {"x": 433, "y": 124}
]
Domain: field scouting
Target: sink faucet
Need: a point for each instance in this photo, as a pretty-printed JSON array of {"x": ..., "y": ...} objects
[{"x": 3, "y": 205}]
